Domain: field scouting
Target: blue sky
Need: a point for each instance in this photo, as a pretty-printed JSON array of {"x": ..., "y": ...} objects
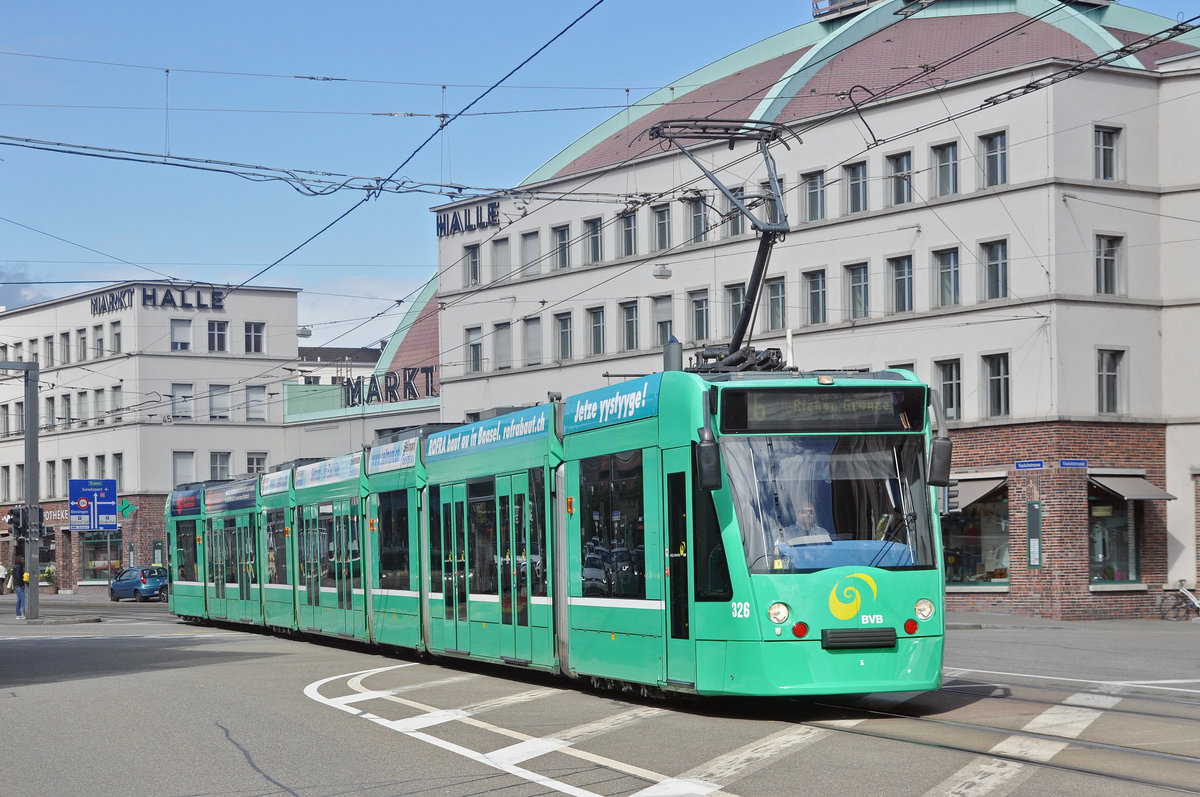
[{"x": 218, "y": 81}]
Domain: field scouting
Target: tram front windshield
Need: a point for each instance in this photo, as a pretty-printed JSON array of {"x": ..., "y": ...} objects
[{"x": 807, "y": 503}]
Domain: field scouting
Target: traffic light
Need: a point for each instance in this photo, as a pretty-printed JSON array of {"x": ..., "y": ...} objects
[
  {"x": 948, "y": 498},
  {"x": 18, "y": 520}
]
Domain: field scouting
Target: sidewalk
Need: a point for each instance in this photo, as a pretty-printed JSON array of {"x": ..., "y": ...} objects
[{"x": 55, "y": 609}]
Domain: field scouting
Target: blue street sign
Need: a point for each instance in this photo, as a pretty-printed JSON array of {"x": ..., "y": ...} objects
[
  {"x": 1072, "y": 463},
  {"x": 93, "y": 504},
  {"x": 1031, "y": 464}
]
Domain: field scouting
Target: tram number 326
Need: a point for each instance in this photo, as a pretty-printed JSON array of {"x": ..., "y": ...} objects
[{"x": 741, "y": 609}]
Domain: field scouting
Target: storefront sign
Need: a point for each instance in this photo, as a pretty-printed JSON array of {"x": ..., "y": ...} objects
[
  {"x": 112, "y": 301},
  {"x": 212, "y": 299},
  {"x": 1033, "y": 525},
  {"x": 376, "y": 390},
  {"x": 468, "y": 219}
]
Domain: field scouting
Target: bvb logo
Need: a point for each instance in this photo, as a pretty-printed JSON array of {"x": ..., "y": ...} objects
[{"x": 844, "y": 610}]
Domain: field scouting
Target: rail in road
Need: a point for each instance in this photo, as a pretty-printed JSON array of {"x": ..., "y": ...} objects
[{"x": 999, "y": 734}]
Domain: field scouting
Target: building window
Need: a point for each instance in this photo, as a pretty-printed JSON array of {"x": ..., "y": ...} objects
[
  {"x": 183, "y": 467},
  {"x": 776, "y": 304},
  {"x": 1106, "y": 140},
  {"x": 698, "y": 214},
  {"x": 117, "y": 402},
  {"x": 218, "y": 336},
  {"x": 64, "y": 346},
  {"x": 4, "y": 422},
  {"x": 855, "y": 177},
  {"x": 255, "y": 337},
  {"x": 628, "y": 228},
  {"x": 900, "y": 178},
  {"x": 976, "y": 541},
  {"x": 48, "y": 351},
  {"x": 1108, "y": 265},
  {"x": 949, "y": 375},
  {"x": 68, "y": 417},
  {"x": 814, "y": 286},
  {"x": 735, "y": 300},
  {"x": 562, "y": 323},
  {"x": 256, "y": 402},
  {"x": 256, "y": 462},
  {"x": 181, "y": 401},
  {"x": 502, "y": 343},
  {"x": 101, "y": 467},
  {"x": 81, "y": 351},
  {"x": 945, "y": 169},
  {"x": 901, "y": 271},
  {"x": 946, "y": 263},
  {"x": 737, "y": 220},
  {"x": 996, "y": 387},
  {"x": 663, "y": 319},
  {"x": 118, "y": 462},
  {"x": 51, "y": 420},
  {"x": 313, "y": 380},
  {"x": 50, "y": 487},
  {"x": 501, "y": 259},
  {"x": 699, "y": 304},
  {"x": 20, "y": 496},
  {"x": 859, "y": 291},
  {"x": 662, "y": 227},
  {"x": 114, "y": 335},
  {"x": 218, "y": 464},
  {"x": 5, "y": 483},
  {"x": 596, "y": 323},
  {"x": 1109, "y": 373},
  {"x": 814, "y": 195},
  {"x": 98, "y": 341},
  {"x": 995, "y": 159},
  {"x": 775, "y": 210},
  {"x": 1113, "y": 549},
  {"x": 83, "y": 467},
  {"x": 67, "y": 471},
  {"x": 531, "y": 254},
  {"x": 474, "y": 341},
  {"x": 471, "y": 265},
  {"x": 995, "y": 270},
  {"x": 218, "y": 402},
  {"x": 98, "y": 410},
  {"x": 629, "y": 326},
  {"x": 562, "y": 246},
  {"x": 533, "y": 341},
  {"x": 593, "y": 230},
  {"x": 181, "y": 336},
  {"x": 81, "y": 404}
]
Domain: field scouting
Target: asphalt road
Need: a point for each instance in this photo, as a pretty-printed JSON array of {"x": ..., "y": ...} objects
[{"x": 140, "y": 703}]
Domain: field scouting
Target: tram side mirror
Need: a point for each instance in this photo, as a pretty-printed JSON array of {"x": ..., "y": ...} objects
[
  {"x": 939, "y": 462},
  {"x": 706, "y": 456}
]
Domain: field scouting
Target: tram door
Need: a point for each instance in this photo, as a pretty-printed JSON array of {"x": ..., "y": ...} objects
[
  {"x": 345, "y": 567},
  {"x": 455, "y": 566},
  {"x": 681, "y": 644},
  {"x": 516, "y": 641},
  {"x": 216, "y": 559},
  {"x": 308, "y": 584},
  {"x": 241, "y": 568}
]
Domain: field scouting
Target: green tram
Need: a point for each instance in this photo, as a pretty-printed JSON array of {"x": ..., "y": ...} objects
[
  {"x": 185, "y": 528},
  {"x": 715, "y": 534}
]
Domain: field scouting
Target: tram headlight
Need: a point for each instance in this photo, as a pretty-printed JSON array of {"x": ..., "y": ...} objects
[
  {"x": 924, "y": 609},
  {"x": 778, "y": 613}
]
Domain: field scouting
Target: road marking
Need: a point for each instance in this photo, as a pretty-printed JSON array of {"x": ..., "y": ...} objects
[
  {"x": 757, "y": 754},
  {"x": 1101, "y": 684},
  {"x": 987, "y": 775}
]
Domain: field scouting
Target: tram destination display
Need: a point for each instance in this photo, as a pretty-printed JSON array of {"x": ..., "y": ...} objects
[{"x": 888, "y": 409}]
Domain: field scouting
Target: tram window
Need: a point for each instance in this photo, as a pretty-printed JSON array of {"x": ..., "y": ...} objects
[
  {"x": 612, "y": 526},
  {"x": 435, "y": 539},
  {"x": 537, "y": 532},
  {"x": 481, "y": 522},
  {"x": 393, "y": 540},
  {"x": 185, "y": 543},
  {"x": 276, "y": 547},
  {"x": 231, "y": 551},
  {"x": 711, "y": 565},
  {"x": 325, "y": 546}
]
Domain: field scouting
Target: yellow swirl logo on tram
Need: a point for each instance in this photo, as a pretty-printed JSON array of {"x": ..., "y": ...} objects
[{"x": 845, "y": 609}]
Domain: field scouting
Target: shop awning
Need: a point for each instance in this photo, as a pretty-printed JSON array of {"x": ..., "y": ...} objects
[
  {"x": 1131, "y": 488},
  {"x": 971, "y": 490}
]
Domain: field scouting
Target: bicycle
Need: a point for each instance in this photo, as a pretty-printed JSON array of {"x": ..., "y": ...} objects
[{"x": 1179, "y": 605}]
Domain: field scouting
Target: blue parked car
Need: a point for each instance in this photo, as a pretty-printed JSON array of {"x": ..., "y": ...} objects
[{"x": 139, "y": 583}]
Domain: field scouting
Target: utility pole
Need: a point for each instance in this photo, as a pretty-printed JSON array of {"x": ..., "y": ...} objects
[{"x": 31, "y": 534}]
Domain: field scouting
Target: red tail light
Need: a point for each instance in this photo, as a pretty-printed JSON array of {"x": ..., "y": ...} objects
[
  {"x": 144, "y": 581},
  {"x": 800, "y": 630},
  {"x": 910, "y": 626}
]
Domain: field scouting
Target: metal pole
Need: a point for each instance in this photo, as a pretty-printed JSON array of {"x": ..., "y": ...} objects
[{"x": 33, "y": 467}]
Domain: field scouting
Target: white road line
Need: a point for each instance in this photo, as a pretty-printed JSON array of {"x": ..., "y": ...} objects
[
  {"x": 756, "y": 754},
  {"x": 1102, "y": 684},
  {"x": 985, "y": 776},
  {"x": 609, "y": 724}
]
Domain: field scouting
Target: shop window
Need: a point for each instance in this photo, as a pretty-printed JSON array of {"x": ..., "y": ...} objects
[
  {"x": 612, "y": 528},
  {"x": 1112, "y": 537},
  {"x": 101, "y": 555},
  {"x": 975, "y": 541}
]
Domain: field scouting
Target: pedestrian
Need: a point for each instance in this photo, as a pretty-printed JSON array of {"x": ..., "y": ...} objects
[
  {"x": 4, "y": 582},
  {"x": 20, "y": 580}
]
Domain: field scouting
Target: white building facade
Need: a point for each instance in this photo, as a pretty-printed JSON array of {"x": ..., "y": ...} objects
[{"x": 1025, "y": 251}]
